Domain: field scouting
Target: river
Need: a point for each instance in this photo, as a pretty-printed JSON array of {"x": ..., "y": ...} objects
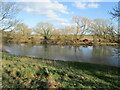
[{"x": 107, "y": 55}]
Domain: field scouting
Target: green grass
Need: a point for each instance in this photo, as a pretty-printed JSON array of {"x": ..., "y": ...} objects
[{"x": 29, "y": 72}]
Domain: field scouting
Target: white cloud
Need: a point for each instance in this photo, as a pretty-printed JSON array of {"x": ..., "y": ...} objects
[
  {"x": 59, "y": 19},
  {"x": 65, "y": 24},
  {"x": 83, "y": 5},
  {"x": 60, "y": 7},
  {"x": 93, "y": 5},
  {"x": 49, "y": 9},
  {"x": 80, "y": 5}
]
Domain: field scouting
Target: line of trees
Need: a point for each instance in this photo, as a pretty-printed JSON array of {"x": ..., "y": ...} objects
[{"x": 100, "y": 28}]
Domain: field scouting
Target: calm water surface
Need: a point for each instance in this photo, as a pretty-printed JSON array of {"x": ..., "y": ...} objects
[{"x": 108, "y": 55}]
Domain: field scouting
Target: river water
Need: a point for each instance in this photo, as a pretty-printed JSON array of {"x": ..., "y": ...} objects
[{"x": 107, "y": 55}]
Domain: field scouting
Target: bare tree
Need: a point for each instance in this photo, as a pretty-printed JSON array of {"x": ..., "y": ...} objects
[
  {"x": 20, "y": 32},
  {"x": 56, "y": 34},
  {"x": 8, "y": 10},
  {"x": 65, "y": 30},
  {"x": 116, "y": 14},
  {"x": 45, "y": 29},
  {"x": 102, "y": 28},
  {"x": 116, "y": 11},
  {"x": 22, "y": 29},
  {"x": 81, "y": 24}
]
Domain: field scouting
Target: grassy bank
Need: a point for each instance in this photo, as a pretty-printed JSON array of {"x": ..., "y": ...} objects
[{"x": 29, "y": 72}]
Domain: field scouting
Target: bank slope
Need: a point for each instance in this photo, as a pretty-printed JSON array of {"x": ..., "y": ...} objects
[{"x": 29, "y": 72}]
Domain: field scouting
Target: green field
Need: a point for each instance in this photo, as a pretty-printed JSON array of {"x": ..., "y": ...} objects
[{"x": 29, "y": 72}]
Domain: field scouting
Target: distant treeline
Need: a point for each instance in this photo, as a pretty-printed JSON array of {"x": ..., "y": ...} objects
[{"x": 100, "y": 30}]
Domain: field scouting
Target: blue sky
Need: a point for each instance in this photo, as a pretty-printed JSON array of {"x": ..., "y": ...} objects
[{"x": 61, "y": 13}]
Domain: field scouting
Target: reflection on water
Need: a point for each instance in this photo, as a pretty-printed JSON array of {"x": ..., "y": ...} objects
[{"x": 93, "y": 54}]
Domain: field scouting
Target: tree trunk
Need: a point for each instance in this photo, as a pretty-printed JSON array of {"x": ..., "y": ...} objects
[{"x": 45, "y": 37}]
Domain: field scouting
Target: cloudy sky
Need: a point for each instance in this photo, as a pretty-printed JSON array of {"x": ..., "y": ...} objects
[{"x": 61, "y": 13}]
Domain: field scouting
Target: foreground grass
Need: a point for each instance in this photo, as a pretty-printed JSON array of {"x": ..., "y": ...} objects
[{"x": 28, "y": 72}]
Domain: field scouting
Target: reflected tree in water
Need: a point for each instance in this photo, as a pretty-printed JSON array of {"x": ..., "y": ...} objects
[{"x": 102, "y": 51}]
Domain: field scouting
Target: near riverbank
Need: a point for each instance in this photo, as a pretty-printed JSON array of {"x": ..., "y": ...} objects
[{"x": 30, "y": 72}]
